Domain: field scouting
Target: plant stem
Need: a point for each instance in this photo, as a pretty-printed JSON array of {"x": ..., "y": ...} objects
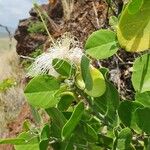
[{"x": 40, "y": 14}]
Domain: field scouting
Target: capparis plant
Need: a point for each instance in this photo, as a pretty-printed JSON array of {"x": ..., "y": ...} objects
[{"x": 83, "y": 107}]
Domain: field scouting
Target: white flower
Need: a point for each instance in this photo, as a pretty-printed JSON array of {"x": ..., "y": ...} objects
[{"x": 66, "y": 47}]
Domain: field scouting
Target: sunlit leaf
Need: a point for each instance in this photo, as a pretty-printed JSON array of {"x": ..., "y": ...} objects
[
  {"x": 134, "y": 26},
  {"x": 101, "y": 44},
  {"x": 99, "y": 85},
  {"x": 31, "y": 143},
  {"x": 42, "y": 91}
]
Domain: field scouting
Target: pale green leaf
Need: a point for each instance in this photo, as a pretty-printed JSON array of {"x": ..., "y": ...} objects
[
  {"x": 101, "y": 44},
  {"x": 42, "y": 91},
  {"x": 134, "y": 26}
]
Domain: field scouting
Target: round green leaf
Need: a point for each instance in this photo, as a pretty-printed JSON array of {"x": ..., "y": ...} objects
[
  {"x": 134, "y": 26},
  {"x": 141, "y": 74},
  {"x": 99, "y": 85},
  {"x": 101, "y": 44},
  {"x": 43, "y": 91}
]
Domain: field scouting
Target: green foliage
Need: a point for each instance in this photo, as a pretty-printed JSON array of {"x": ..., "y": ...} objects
[
  {"x": 143, "y": 98},
  {"x": 101, "y": 44},
  {"x": 36, "y": 52},
  {"x": 84, "y": 108},
  {"x": 124, "y": 139},
  {"x": 36, "y": 27},
  {"x": 126, "y": 113},
  {"x": 134, "y": 26},
  {"x": 6, "y": 84},
  {"x": 63, "y": 67},
  {"x": 66, "y": 101},
  {"x": 27, "y": 62},
  {"x": 73, "y": 121},
  {"x": 142, "y": 119},
  {"x": 140, "y": 76},
  {"x": 113, "y": 22},
  {"x": 85, "y": 71},
  {"x": 43, "y": 87}
]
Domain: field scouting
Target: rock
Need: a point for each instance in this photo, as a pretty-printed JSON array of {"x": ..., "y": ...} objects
[
  {"x": 83, "y": 22},
  {"x": 27, "y": 42}
]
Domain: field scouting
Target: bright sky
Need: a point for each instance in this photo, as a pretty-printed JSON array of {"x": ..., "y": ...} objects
[{"x": 13, "y": 10}]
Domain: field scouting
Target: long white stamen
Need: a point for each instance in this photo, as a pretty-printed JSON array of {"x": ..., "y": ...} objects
[{"x": 66, "y": 48}]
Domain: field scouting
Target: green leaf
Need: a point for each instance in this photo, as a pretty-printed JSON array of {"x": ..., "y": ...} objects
[
  {"x": 44, "y": 137},
  {"x": 25, "y": 138},
  {"x": 108, "y": 103},
  {"x": 42, "y": 83},
  {"x": 90, "y": 133},
  {"x": 45, "y": 133},
  {"x": 56, "y": 116},
  {"x": 112, "y": 97},
  {"x": 6, "y": 84},
  {"x": 85, "y": 71},
  {"x": 65, "y": 101},
  {"x": 134, "y": 26},
  {"x": 26, "y": 125},
  {"x": 101, "y": 44},
  {"x": 141, "y": 75},
  {"x": 124, "y": 139},
  {"x": 142, "y": 117},
  {"x": 63, "y": 67},
  {"x": 113, "y": 21},
  {"x": 36, "y": 116},
  {"x": 43, "y": 145},
  {"x": 73, "y": 121},
  {"x": 42, "y": 91},
  {"x": 99, "y": 85},
  {"x": 58, "y": 121},
  {"x": 15, "y": 141},
  {"x": 135, "y": 6},
  {"x": 105, "y": 141},
  {"x": 143, "y": 98},
  {"x": 87, "y": 132},
  {"x": 126, "y": 113},
  {"x": 31, "y": 142},
  {"x": 27, "y": 147},
  {"x": 98, "y": 80}
]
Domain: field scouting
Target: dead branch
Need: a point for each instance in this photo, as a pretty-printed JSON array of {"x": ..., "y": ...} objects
[{"x": 9, "y": 35}]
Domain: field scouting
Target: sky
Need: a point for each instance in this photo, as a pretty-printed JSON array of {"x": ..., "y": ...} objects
[{"x": 13, "y": 10}]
